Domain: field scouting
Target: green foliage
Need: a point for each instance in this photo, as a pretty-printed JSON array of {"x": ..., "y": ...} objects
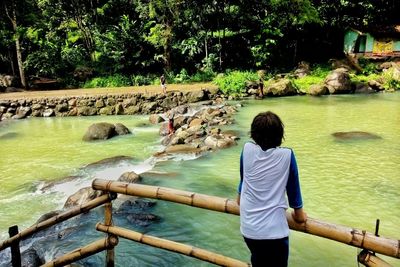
[
  {"x": 116, "y": 80},
  {"x": 304, "y": 83},
  {"x": 367, "y": 66},
  {"x": 364, "y": 78},
  {"x": 234, "y": 82},
  {"x": 320, "y": 71},
  {"x": 391, "y": 78},
  {"x": 138, "y": 80},
  {"x": 203, "y": 76}
]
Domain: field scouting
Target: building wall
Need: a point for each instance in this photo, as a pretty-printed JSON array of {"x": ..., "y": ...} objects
[
  {"x": 370, "y": 43},
  {"x": 350, "y": 39},
  {"x": 396, "y": 46}
]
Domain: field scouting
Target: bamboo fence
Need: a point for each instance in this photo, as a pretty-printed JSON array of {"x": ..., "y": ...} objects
[
  {"x": 343, "y": 234},
  {"x": 187, "y": 250},
  {"x": 56, "y": 219},
  {"x": 91, "y": 249},
  {"x": 368, "y": 259},
  {"x": 110, "y": 254}
]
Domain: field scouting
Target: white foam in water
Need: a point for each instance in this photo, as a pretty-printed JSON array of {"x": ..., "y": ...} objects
[{"x": 65, "y": 189}]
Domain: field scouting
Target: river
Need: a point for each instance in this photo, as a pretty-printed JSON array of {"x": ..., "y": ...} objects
[{"x": 348, "y": 182}]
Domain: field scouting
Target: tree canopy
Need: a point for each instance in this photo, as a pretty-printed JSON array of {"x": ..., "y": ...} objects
[{"x": 54, "y": 38}]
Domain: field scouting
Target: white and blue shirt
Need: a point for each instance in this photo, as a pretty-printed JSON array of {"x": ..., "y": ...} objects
[{"x": 265, "y": 178}]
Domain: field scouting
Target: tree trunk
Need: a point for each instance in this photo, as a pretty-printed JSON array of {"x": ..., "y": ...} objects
[
  {"x": 20, "y": 63},
  {"x": 11, "y": 58},
  {"x": 13, "y": 19}
]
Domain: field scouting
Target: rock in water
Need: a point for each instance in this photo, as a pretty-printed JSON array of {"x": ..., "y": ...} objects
[
  {"x": 99, "y": 131},
  {"x": 355, "y": 135}
]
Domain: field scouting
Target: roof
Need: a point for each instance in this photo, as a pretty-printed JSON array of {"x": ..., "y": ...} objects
[{"x": 382, "y": 31}]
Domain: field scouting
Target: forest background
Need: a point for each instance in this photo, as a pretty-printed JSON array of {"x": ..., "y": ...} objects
[{"x": 96, "y": 43}]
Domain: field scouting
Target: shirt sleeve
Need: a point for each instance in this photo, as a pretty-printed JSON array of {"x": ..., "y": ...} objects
[
  {"x": 241, "y": 173},
  {"x": 293, "y": 185}
]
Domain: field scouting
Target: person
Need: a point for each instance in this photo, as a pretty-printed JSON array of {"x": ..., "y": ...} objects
[
  {"x": 261, "y": 88},
  {"x": 171, "y": 128},
  {"x": 267, "y": 171},
  {"x": 163, "y": 85}
]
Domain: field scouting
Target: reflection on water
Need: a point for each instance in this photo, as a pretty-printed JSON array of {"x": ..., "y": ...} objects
[{"x": 348, "y": 182}]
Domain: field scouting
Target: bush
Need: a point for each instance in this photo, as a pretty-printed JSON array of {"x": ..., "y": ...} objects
[
  {"x": 391, "y": 78},
  {"x": 116, "y": 80},
  {"x": 181, "y": 77},
  {"x": 367, "y": 66},
  {"x": 303, "y": 84},
  {"x": 203, "y": 76},
  {"x": 235, "y": 82},
  {"x": 320, "y": 71},
  {"x": 138, "y": 80}
]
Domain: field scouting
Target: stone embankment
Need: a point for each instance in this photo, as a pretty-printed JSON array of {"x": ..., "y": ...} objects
[{"x": 119, "y": 104}]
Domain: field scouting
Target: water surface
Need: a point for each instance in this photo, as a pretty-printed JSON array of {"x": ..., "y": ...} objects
[{"x": 351, "y": 182}]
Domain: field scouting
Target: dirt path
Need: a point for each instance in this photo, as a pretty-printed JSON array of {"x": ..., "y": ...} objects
[{"x": 148, "y": 89}]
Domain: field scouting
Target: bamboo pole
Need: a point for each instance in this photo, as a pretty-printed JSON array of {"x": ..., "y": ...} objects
[
  {"x": 15, "y": 251},
  {"x": 83, "y": 252},
  {"x": 56, "y": 219},
  {"x": 368, "y": 259},
  {"x": 172, "y": 246},
  {"x": 343, "y": 234},
  {"x": 110, "y": 255}
]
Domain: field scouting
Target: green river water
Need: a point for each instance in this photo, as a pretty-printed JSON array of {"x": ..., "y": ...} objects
[{"x": 345, "y": 182}]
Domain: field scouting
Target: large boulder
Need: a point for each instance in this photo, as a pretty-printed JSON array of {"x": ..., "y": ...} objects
[
  {"x": 218, "y": 141},
  {"x": 303, "y": 69},
  {"x": 121, "y": 129},
  {"x": 318, "y": 89},
  {"x": 362, "y": 88},
  {"x": 8, "y": 81},
  {"x": 100, "y": 131},
  {"x": 104, "y": 130},
  {"x": 282, "y": 87},
  {"x": 155, "y": 118},
  {"x": 82, "y": 196},
  {"x": 338, "y": 81},
  {"x": 196, "y": 96}
]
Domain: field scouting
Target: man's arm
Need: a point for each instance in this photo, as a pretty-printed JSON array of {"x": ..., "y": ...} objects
[
  {"x": 294, "y": 193},
  {"x": 241, "y": 179}
]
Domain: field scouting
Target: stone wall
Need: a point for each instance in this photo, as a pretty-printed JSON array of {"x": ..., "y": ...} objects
[{"x": 123, "y": 104}]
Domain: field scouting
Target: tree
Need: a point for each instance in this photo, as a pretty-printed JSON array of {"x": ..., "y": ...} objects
[{"x": 10, "y": 8}]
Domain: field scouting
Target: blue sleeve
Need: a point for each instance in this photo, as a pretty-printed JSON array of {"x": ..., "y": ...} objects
[
  {"x": 293, "y": 185},
  {"x": 241, "y": 173}
]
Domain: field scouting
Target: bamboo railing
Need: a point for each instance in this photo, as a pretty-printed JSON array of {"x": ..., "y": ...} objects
[
  {"x": 91, "y": 249},
  {"x": 368, "y": 259},
  {"x": 57, "y": 219},
  {"x": 187, "y": 250},
  {"x": 343, "y": 234}
]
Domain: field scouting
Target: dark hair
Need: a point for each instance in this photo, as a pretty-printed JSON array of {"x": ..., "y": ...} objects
[{"x": 267, "y": 130}]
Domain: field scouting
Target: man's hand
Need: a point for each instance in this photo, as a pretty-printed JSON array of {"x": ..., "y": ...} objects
[{"x": 299, "y": 215}]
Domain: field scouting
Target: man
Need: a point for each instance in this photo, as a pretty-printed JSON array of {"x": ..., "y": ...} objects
[{"x": 163, "y": 85}]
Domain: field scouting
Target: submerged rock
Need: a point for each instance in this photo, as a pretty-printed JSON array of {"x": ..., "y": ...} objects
[
  {"x": 108, "y": 161},
  {"x": 129, "y": 177},
  {"x": 9, "y": 135},
  {"x": 142, "y": 219},
  {"x": 355, "y": 135}
]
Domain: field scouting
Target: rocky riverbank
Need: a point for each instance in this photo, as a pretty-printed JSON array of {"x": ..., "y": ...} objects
[
  {"x": 197, "y": 129},
  {"x": 110, "y": 104}
]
